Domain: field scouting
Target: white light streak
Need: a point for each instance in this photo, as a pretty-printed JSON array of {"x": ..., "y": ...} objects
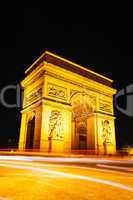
[{"x": 72, "y": 176}]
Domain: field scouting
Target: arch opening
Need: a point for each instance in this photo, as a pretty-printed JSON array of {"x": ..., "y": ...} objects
[
  {"x": 30, "y": 134},
  {"x": 83, "y": 106}
]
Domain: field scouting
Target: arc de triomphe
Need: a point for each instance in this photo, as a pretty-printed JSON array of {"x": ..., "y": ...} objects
[{"x": 66, "y": 108}]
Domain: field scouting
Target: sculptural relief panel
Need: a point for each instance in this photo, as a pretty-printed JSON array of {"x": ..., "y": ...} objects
[
  {"x": 32, "y": 96},
  {"x": 105, "y": 106},
  {"x": 55, "y": 125},
  {"x": 83, "y": 104},
  {"x": 57, "y": 91},
  {"x": 106, "y": 132}
]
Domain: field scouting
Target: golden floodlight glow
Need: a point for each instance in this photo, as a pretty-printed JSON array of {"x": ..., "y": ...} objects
[{"x": 66, "y": 108}]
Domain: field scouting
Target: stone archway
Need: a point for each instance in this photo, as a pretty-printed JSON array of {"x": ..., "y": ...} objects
[
  {"x": 30, "y": 133},
  {"x": 82, "y": 131},
  {"x": 83, "y": 107}
]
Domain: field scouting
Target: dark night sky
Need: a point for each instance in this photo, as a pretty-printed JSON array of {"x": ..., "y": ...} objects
[{"x": 102, "y": 42}]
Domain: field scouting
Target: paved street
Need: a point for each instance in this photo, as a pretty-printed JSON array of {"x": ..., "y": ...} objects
[{"x": 40, "y": 178}]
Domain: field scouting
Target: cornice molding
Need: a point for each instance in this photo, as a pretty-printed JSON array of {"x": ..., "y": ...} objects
[{"x": 85, "y": 86}]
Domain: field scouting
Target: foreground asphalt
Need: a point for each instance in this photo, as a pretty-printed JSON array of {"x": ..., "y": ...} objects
[{"x": 40, "y": 178}]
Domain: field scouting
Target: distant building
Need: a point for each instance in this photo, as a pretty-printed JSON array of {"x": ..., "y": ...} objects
[{"x": 66, "y": 108}]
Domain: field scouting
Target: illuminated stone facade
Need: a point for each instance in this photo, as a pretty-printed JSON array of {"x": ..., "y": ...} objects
[{"x": 66, "y": 108}]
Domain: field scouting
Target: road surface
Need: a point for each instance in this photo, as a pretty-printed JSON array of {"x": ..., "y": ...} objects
[{"x": 40, "y": 178}]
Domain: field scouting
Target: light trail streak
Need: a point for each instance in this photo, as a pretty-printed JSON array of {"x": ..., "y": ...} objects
[
  {"x": 68, "y": 166},
  {"x": 64, "y": 160},
  {"x": 116, "y": 167},
  {"x": 72, "y": 176},
  {"x": 18, "y": 158}
]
